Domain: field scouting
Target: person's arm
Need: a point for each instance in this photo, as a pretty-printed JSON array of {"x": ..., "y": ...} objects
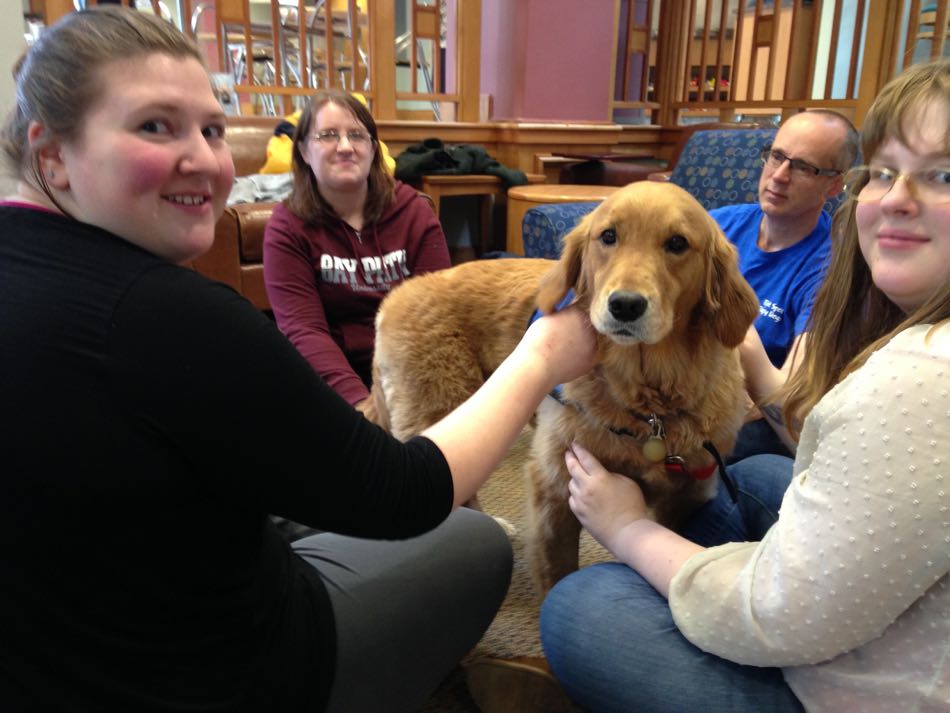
[
  {"x": 612, "y": 509},
  {"x": 245, "y": 421},
  {"x": 251, "y": 424},
  {"x": 556, "y": 348},
  {"x": 763, "y": 379},
  {"x": 298, "y": 306},
  {"x": 854, "y": 546}
]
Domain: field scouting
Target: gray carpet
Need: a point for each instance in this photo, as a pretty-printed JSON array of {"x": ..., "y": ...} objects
[{"x": 514, "y": 632}]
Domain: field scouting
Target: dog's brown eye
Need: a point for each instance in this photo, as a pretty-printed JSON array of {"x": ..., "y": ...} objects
[
  {"x": 676, "y": 244},
  {"x": 609, "y": 236}
]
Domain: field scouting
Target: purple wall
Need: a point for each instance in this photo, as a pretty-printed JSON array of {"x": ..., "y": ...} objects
[{"x": 547, "y": 60}]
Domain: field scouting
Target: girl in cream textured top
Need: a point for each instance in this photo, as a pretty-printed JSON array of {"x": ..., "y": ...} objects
[{"x": 824, "y": 588}]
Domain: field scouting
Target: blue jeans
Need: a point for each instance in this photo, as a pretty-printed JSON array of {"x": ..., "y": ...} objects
[
  {"x": 756, "y": 437},
  {"x": 610, "y": 637}
]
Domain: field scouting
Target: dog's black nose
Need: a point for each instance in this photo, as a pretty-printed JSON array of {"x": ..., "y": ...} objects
[{"x": 627, "y": 306}]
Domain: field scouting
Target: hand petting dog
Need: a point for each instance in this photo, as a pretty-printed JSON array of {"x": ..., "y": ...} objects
[{"x": 612, "y": 509}]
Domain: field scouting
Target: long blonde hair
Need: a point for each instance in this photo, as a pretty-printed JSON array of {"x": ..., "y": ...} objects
[{"x": 851, "y": 317}]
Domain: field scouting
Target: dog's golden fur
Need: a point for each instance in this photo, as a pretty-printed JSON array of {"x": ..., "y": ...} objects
[{"x": 664, "y": 293}]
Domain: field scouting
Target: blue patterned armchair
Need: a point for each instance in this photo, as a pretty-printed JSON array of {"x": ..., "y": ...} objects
[
  {"x": 722, "y": 167},
  {"x": 544, "y": 226},
  {"x": 719, "y": 167}
]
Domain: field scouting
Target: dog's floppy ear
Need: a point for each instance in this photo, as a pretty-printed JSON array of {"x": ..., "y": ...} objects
[
  {"x": 731, "y": 302},
  {"x": 566, "y": 272}
]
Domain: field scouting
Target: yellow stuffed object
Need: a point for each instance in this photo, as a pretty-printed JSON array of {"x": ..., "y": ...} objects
[{"x": 280, "y": 146}]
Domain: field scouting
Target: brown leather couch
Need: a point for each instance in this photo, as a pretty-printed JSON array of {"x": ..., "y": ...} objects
[{"x": 236, "y": 257}]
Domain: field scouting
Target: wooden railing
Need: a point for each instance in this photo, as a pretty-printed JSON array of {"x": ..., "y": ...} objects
[
  {"x": 723, "y": 58},
  {"x": 426, "y": 69},
  {"x": 677, "y": 60}
]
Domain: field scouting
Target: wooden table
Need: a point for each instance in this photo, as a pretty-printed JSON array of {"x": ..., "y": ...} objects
[
  {"x": 488, "y": 188},
  {"x": 521, "y": 198}
]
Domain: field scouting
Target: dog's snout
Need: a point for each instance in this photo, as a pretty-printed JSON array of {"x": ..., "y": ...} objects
[{"x": 627, "y": 306}]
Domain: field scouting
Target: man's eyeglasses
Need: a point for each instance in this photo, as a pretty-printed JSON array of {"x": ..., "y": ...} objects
[
  {"x": 773, "y": 158},
  {"x": 331, "y": 137},
  {"x": 871, "y": 183}
]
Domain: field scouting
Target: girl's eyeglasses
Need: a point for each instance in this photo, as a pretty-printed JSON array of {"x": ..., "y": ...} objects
[
  {"x": 331, "y": 137},
  {"x": 871, "y": 183}
]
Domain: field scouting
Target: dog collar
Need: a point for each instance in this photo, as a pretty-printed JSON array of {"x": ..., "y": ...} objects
[
  {"x": 697, "y": 473},
  {"x": 654, "y": 447}
]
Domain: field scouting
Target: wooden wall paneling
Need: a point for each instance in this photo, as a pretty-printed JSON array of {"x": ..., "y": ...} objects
[
  {"x": 883, "y": 25},
  {"x": 737, "y": 51},
  {"x": 671, "y": 51},
  {"x": 853, "y": 67},
  {"x": 833, "y": 49},
  {"x": 936, "y": 20},
  {"x": 644, "y": 44},
  {"x": 382, "y": 64},
  {"x": 940, "y": 30},
  {"x": 277, "y": 48},
  {"x": 426, "y": 25},
  {"x": 52, "y": 10},
  {"x": 662, "y": 89},
  {"x": 620, "y": 49},
  {"x": 910, "y": 39},
  {"x": 687, "y": 67},
  {"x": 802, "y": 47},
  {"x": 770, "y": 30},
  {"x": 754, "y": 56},
  {"x": 185, "y": 20},
  {"x": 468, "y": 59},
  {"x": 723, "y": 38},
  {"x": 815, "y": 31},
  {"x": 358, "y": 73},
  {"x": 329, "y": 52},
  {"x": 305, "y": 50},
  {"x": 701, "y": 69}
]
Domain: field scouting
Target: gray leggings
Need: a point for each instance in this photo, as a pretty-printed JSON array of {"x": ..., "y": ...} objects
[{"x": 407, "y": 611}]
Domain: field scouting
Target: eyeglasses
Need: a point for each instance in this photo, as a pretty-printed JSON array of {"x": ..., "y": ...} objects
[
  {"x": 774, "y": 159},
  {"x": 331, "y": 137},
  {"x": 872, "y": 183}
]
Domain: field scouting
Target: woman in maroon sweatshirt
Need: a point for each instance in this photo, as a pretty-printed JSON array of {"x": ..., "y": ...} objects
[{"x": 346, "y": 235}]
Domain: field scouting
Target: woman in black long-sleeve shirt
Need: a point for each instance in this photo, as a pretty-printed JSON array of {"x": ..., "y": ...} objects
[{"x": 152, "y": 418}]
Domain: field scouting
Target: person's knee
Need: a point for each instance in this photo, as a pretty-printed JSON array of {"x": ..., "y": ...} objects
[
  {"x": 486, "y": 546},
  {"x": 756, "y": 468},
  {"x": 582, "y": 606}
]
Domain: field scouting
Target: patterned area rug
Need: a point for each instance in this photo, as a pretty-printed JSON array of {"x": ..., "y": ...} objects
[{"x": 514, "y": 632}]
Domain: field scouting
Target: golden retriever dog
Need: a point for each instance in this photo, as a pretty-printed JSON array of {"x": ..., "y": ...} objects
[{"x": 663, "y": 291}]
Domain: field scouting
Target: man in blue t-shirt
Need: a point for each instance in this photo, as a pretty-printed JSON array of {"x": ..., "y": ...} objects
[{"x": 784, "y": 245}]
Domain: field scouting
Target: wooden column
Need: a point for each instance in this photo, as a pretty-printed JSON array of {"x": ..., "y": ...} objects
[
  {"x": 468, "y": 58},
  {"x": 382, "y": 60},
  {"x": 671, "y": 52},
  {"x": 882, "y": 34}
]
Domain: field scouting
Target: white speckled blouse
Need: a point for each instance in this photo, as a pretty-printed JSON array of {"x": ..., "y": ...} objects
[{"x": 849, "y": 591}]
